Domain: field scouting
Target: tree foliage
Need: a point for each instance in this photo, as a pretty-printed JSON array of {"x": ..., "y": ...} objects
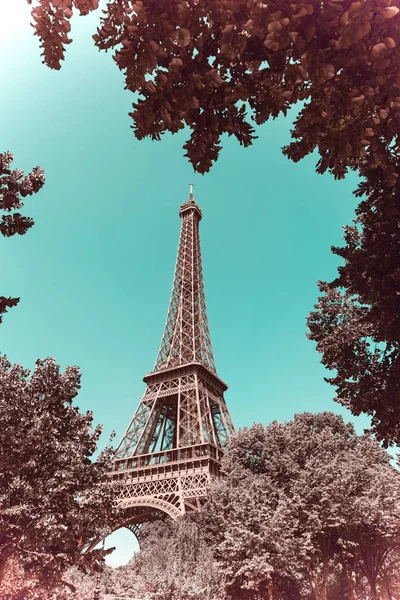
[
  {"x": 14, "y": 186},
  {"x": 204, "y": 64},
  {"x": 356, "y": 322},
  {"x": 53, "y": 497},
  {"x": 173, "y": 563},
  {"x": 18, "y": 584},
  {"x": 307, "y": 509}
]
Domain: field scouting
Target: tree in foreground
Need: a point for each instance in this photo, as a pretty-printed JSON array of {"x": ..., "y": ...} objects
[
  {"x": 204, "y": 64},
  {"x": 356, "y": 323},
  {"x": 18, "y": 584},
  {"x": 14, "y": 186},
  {"x": 53, "y": 498},
  {"x": 307, "y": 509}
]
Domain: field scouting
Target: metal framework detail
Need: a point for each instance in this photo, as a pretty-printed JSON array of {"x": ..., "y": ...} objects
[
  {"x": 173, "y": 446},
  {"x": 186, "y": 335}
]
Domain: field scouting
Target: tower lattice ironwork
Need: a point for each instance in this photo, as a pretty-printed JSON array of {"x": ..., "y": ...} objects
[{"x": 174, "y": 443}]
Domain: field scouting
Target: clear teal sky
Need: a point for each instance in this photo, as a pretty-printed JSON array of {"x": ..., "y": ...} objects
[{"x": 95, "y": 272}]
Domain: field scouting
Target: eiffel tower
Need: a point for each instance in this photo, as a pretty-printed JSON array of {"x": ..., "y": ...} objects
[{"x": 174, "y": 443}]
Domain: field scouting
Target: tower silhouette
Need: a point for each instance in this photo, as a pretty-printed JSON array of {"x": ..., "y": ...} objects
[{"x": 174, "y": 443}]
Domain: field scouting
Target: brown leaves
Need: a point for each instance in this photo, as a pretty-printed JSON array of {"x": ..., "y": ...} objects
[
  {"x": 356, "y": 25},
  {"x": 378, "y": 49},
  {"x": 183, "y": 37},
  {"x": 15, "y": 223},
  {"x": 175, "y": 64},
  {"x": 5, "y": 304},
  {"x": 231, "y": 56},
  {"x": 52, "y": 25},
  {"x": 52, "y": 493},
  {"x": 346, "y": 56},
  {"x": 329, "y": 71},
  {"x": 356, "y": 323},
  {"x": 86, "y": 6},
  {"x": 228, "y": 52},
  {"x": 14, "y": 186},
  {"x": 390, "y": 11}
]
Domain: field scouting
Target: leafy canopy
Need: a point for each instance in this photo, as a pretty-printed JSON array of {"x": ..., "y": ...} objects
[
  {"x": 14, "y": 186},
  {"x": 206, "y": 64},
  {"x": 53, "y": 497},
  {"x": 356, "y": 322},
  {"x": 306, "y": 509}
]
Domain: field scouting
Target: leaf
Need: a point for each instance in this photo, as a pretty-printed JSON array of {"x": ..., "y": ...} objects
[
  {"x": 309, "y": 31},
  {"x": 359, "y": 100},
  {"x": 329, "y": 71},
  {"x": 184, "y": 37},
  {"x": 378, "y": 49},
  {"x": 175, "y": 63},
  {"x": 390, "y": 11}
]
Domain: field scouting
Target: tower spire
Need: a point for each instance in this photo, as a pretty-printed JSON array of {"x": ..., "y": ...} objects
[{"x": 186, "y": 337}]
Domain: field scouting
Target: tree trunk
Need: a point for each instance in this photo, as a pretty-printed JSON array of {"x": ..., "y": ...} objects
[
  {"x": 270, "y": 589},
  {"x": 374, "y": 593},
  {"x": 3, "y": 563},
  {"x": 373, "y": 559},
  {"x": 351, "y": 580},
  {"x": 352, "y": 592},
  {"x": 325, "y": 572},
  {"x": 388, "y": 590},
  {"x": 324, "y": 592},
  {"x": 319, "y": 588}
]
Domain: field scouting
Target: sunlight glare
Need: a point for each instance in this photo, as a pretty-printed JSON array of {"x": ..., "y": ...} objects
[{"x": 15, "y": 19}]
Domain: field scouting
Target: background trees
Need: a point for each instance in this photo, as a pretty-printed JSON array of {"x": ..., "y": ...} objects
[
  {"x": 53, "y": 496},
  {"x": 174, "y": 563},
  {"x": 305, "y": 508},
  {"x": 18, "y": 584},
  {"x": 14, "y": 186}
]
